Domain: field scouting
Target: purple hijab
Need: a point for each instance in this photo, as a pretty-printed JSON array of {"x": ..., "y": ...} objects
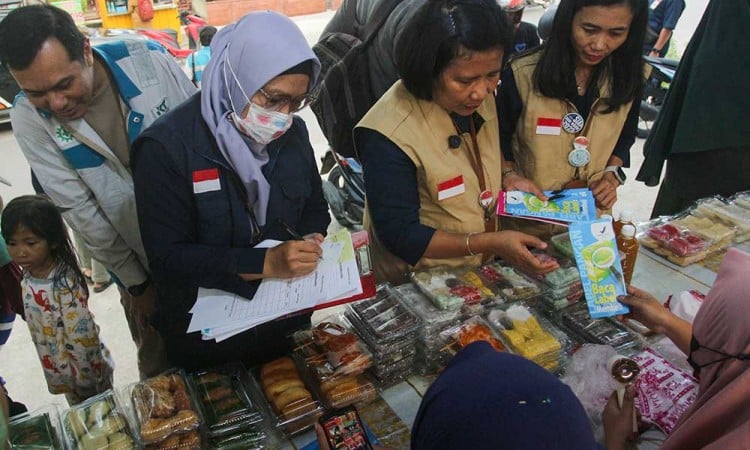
[{"x": 258, "y": 47}]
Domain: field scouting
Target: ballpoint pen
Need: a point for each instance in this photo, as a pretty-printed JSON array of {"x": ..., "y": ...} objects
[{"x": 296, "y": 236}]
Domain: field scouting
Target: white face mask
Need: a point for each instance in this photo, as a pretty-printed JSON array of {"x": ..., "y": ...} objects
[{"x": 260, "y": 124}]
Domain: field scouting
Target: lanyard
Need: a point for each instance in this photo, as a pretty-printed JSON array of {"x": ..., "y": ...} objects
[{"x": 475, "y": 157}]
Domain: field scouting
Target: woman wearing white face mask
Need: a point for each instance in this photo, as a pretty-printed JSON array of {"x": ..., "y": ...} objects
[{"x": 228, "y": 168}]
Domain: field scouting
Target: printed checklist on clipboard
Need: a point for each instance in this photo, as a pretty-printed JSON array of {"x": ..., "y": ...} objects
[{"x": 343, "y": 275}]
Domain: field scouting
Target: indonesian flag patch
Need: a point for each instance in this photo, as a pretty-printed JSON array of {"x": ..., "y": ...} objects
[
  {"x": 206, "y": 180},
  {"x": 451, "y": 188},
  {"x": 551, "y": 127}
]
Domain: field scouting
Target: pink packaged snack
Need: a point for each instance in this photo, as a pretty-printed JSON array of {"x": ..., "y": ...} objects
[
  {"x": 663, "y": 233},
  {"x": 686, "y": 244},
  {"x": 664, "y": 391}
]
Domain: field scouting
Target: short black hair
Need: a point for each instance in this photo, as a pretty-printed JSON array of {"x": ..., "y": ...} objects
[
  {"x": 434, "y": 36},
  {"x": 554, "y": 75},
  {"x": 206, "y": 34},
  {"x": 24, "y": 30}
]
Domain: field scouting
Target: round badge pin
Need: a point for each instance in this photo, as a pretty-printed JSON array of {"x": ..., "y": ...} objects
[
  {"x": 485, "y": 198},
  {"x": 572, "y": 122},
  {"x": 581, "y": 142},
  {"x": 579, "y": 157}
]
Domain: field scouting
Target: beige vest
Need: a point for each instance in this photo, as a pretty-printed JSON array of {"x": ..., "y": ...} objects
[
  {"x": 544, "y": 158},
  {"x": 421, "y": 130}
]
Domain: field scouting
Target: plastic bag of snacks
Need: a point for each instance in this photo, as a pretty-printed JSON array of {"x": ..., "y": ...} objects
[
  {"x": 288, "y": 394},
  {"x": 472, "y": 330},
  {"x": 165, "y": 412},
  {"x": 36, "y": 430},
  {"x": 226, "y": 406},
  {"x": 97, "y": 424},
  {"x": 530, "y": 336},
  {"x": 562, "y": 244},
  {"x": 451, "y": 288}
]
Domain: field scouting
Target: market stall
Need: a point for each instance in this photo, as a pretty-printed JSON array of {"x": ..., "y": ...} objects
[{"x": 382, "y": 353}]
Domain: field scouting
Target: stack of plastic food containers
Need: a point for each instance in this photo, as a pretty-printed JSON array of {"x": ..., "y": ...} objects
[
  {"x": 36, "y": 430},
  {"x": 510, "y": 284},
  {"x": 432, "y": 322},
  {"x": 526, "y": 334},
  {"x": 97, "y": 423},
  {"x": 576, "y": 319},
  {"x": 390, "y": 331},
  {"x": 454, "y": 288},
  {"x": 562, "y": 286},
  {"x": 233, "y": 420},
  {"x": 336, "y": 360}
]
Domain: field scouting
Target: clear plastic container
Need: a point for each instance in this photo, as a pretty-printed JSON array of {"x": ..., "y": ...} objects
[
  {"x": 509, "y": 283},
  {"x": 525, "y": 333},
  {"x": 36, "y": 430},
  {"x": 383, "y": 318},
  {"x": 675, "y": 242},
  {"x": 433, "y": 319},
  {"x": 332, "y": 349},
  {"x": 224, "y": 401},
  {"x": 576, "y": 318},
  {"x": 97, "y": 424},
  {"x": 471, "y": 330},
  {"x": 165, "y": 411},
  {"x": 289, "y": 395},
  {"x": 450, "y": 288},
  {"x": 729, "y": 213}
]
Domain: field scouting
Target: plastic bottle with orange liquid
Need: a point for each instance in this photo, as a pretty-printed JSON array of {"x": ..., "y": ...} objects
[{"x": 628, "y": 246}]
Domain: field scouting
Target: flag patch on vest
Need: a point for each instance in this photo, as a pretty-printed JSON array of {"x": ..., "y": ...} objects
[
  {"x": 206, "y": 181},
  {"x": 551, "y": 127},
  {"x": 451, "y": 188}
]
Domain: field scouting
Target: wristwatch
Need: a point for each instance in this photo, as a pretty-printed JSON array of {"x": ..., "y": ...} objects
[
  {"x": 138, "y": 289},
  {"x": 618, "y": 173}
]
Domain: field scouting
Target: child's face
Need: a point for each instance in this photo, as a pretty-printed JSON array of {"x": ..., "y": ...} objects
[{"x": 30, "y": 251}]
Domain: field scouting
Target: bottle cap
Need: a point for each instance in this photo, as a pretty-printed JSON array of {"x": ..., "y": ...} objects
[
  {"x": 628, "y": 231},
  {"x": 626, "y": 215}
]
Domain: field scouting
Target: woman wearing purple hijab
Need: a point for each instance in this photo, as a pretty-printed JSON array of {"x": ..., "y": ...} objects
[{"x": 228, "y": 168}]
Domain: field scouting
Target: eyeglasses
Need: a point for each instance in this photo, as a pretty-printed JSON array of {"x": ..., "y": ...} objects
[
  {"x": 694, "y": 346},
  {"x": 277, "y": 102}
]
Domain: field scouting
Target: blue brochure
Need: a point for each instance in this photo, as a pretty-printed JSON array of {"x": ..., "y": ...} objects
[
  {"x": 598, "y": 261},
  {"x": 569, "y": 205}
]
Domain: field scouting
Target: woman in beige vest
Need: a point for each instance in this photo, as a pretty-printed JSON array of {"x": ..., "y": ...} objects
[
  {"x": 430, "y": 147},
  {"x": 569, "y": 111}
]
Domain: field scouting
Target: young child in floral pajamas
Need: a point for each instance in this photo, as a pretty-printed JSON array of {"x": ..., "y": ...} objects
[{"x": 55, "y": 300}]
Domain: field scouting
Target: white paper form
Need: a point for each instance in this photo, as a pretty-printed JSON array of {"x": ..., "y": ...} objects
[{"x": 219, "y": 315}]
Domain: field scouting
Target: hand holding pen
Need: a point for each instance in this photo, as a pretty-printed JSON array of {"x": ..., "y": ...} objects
[{"x": 293, "y": 258}]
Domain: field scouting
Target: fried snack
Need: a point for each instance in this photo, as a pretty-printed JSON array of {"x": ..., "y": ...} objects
[
  {"x": 228, "y": 405},
  {"x": 284, "y": 363},
  {"x": 297, "y": 408},
  {"x": 181, "y": 400},
  {"x": 191, "y": 440},
  {"x": 184, "y": 420},
  {"x": 217, "y": 393},
  {"x": 172, "y": 442},
  {"x": 176, "y": 383},
  {"x": 279, "y": 375},
  {"x": 161, "y": 382},
  {"x": 155, "y": 430},
  {"x": 280, "y": 386},
  {"x": 290, "y": 396},
  {"x": 210, "y": 378},
  {"x": 163, "y": 404}
]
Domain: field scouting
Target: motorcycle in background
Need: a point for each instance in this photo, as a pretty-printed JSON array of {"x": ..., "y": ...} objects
[{"x": 654, "y": 91}]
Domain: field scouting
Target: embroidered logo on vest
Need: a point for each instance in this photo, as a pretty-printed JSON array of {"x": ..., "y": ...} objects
[
  {"x": 62, "y": 134},
  {"x": 161, "y": 108}
]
